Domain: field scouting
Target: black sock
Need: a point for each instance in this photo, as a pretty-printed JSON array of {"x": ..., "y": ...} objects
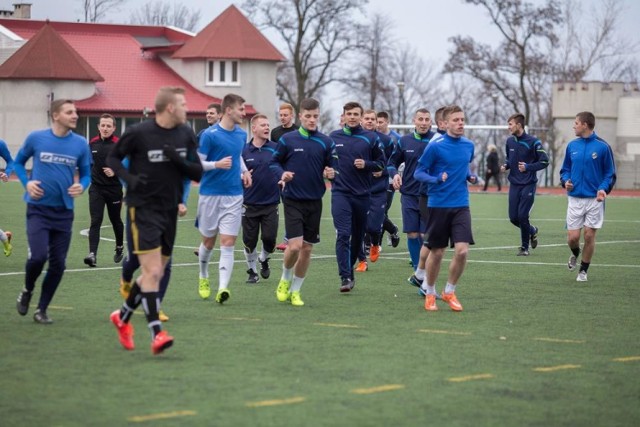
[
  {"x": 584, "y": 266},
  {"x": 132, "y": 302},
  {"x": 151, "y": 305},
  {"x": 576, "y": 251}
]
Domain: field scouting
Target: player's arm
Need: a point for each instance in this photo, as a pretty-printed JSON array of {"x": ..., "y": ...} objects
[
  {"x": 122, "y": 149},
  {"x": 565, "y": 170},
  {"x": 423, "y": 169},
  {"x": 190, "y": 165},
  {"x": 541, "y": 158}
]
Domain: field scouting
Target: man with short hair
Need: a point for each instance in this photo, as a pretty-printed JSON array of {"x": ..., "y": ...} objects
[
  {"x": 162, "y": 153},
  {"x": 213, "y": 114},
  {"x": 286, "y": 115},
  {"x": 525, "y": 157},
  {"x": 220, "y": 201},
  {"x": 56, "y": 152},
  {"x": 260, "y": 207},
  {"x": 105, "y": 191},
  {"x": 359, "y": 155},
  {"x": 301, "y": 162},
  {"x": 382, "y": 126},
  {"x": 588, "y": 173},
  {"x": 409, "y": 149},
  {"x": 444, "y": 165}
]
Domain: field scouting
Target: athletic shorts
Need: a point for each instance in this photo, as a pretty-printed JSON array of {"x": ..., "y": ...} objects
[
  {"x": 584, "y": 212},
  {"x": 152, "y": 229},
  {"x": 302, "y": 219},
  {"x": 219, "y": 215},
  {"x": 448, "y": 226},
  {"x": 412, "y": 221}
]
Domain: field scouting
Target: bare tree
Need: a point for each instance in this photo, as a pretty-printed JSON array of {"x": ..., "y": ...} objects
[
  {"x": 164, "y": 13},
  {"x": 316, "y": 34},
  {"x": 96, "y": 10}
]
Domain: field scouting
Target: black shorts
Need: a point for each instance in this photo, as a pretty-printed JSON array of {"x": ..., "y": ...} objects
[
  {"x": 447, "y": 226},
  {"x": 152, "y": 229},
  {"x": 424, "y": 211},
  {"x": 302, "y": 219},
  {"x": 258, "y": 219}
]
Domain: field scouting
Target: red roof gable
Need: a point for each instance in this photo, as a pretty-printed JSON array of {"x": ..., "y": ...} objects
[
  {"x": 131, "y": 78},
  {"x": 48, "y": 56},
  {"x": 230, "y": 36}
]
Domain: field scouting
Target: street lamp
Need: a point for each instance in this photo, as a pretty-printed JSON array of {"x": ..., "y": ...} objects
[{"x": 401, "y": 112}]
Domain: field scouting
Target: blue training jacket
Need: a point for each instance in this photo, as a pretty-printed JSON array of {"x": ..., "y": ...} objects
[
  {"x": 525, "y": 148},
  {"x": 588, "y": 163}
]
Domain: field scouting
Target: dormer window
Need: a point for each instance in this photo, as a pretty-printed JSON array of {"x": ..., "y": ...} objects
[{"x": 223, "y": 72}]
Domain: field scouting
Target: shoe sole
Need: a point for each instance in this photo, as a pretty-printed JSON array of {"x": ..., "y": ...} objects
[
  {"x": 224, "y": 296},
  {"x": 89, "y": 263},
  {"x": 163, "y": 347}
]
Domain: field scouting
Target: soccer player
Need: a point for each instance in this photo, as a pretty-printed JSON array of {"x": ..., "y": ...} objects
[
  {"x": 286, "y": 115},
  {"x": 359, "y": 155},
  {"x": 220, "y": 201},
  {"x": 301, "y": 162},
  {"x": 162, "y": 154},
  {"x": 378, "y": 204},
  {"x": 409, "y": 149},
  {"x": 105, "y": 191},
  {"x": 588, "y": 173},
  {"x": 5, "y": 236},
  {"x": 213, "y": 114},
  {"x": 261, "y": 200},
  {"x": 382, "y": 119},
  {"x": 57, "y": 153},
  {"x": 445, "y": 167},
  {"x": 418, "y": 277},
  {"x": 525, "y": 157}
]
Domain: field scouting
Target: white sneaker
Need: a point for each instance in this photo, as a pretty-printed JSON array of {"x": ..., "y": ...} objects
[
  {"x": 573, "y": 261},
  {"x": 582, "y": 277}
]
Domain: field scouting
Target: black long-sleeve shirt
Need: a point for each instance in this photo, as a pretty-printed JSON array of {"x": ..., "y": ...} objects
[{"x": 100, "y": 149}]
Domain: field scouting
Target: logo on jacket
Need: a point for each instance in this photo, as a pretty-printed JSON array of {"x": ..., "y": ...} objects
[
  {"x": 60, "y": 159},
  {"x": 594, "y": 155}
]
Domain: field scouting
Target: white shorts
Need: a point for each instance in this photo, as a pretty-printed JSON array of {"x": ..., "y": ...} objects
[
  {"x": 583, "y": 212},
  {"x": 219, "y": 215}
]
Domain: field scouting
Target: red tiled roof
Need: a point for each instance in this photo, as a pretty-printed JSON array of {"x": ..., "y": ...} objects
[
  {"x": 230, "y": 36},
  {"x": 131, "y": 78},
  {"x": 48, "y": 56}
]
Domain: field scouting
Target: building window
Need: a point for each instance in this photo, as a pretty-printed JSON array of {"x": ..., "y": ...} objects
[{"x": 223, "y": 73}]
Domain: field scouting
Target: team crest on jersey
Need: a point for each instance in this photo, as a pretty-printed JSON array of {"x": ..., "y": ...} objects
[
  {"x": 157, "y": 156},
  {"x": 594, "y": 155},
  {"x": 59, "y": 159}
]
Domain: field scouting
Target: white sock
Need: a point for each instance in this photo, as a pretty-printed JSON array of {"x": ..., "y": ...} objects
[
  {"x": 449, "y": 289},
  {"x": 420, "y": 273},
  {"x": 204, "y": 255},
  {"x": 263, "y": 255},
  {"x": 287, "y": 273},
  {"x": 3, "y": 237},
  {"x": 296, "y": 284},
  {"x": 251, "y": 259},
  {"x": 226, "y": 266}
]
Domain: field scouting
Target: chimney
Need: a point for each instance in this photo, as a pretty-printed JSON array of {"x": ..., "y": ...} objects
[{"x": 22, "y": 10}]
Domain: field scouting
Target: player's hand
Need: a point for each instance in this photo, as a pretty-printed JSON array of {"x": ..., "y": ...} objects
[
  {"x": 522, "y": 166},
  {"x": 601, "y": 195},
  {"x": 286, "y": 177},
  {"x": 568, "y": 185},
  {"x": 397, "y": 182},
  {"x": 473, "y": 179},
  {"x": 35, "y": 191},
  {"x": 329, "y": 173},
  {"x": 444, "y": 176},
  {"x": 488, "y": 170},
  {"x": 4, "y": 177},
  {"x": 224, "y": 163},
  {"x": 182, "y": 209},
  {"x": 75, "y": 190},
  {"x": 377, "y": 174},
  {"x": 359, "y": 163},
  {"x": 171, "y": 153},
  {"x": 137, "y": 180},
  {"x": 246, "y": 179},
  {"x": 503, "y": 168},
  {"x": 108, "y": 172}
]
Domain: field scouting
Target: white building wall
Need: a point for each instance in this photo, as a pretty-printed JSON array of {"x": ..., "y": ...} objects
[{"x": 24, "y": 105}]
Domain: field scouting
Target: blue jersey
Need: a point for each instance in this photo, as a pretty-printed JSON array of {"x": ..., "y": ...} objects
[
  {"x": 450, "y": 155},
  {"x": 264, "y": 190},
  {"x": 306, "y": 154},
  {"x": 217, "y": 143},
  {"x": 351, "y": 144},
  {"x": 6, "y": 155},
  {"x": 588, "y": 163},
  {"x": 528, "y": 149},
  {"x": 55, "y": 160},
  {"x": 409, "y": 149}
]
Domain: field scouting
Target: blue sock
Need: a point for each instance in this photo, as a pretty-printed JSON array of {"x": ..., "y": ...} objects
[{"x": 414, "y": 245}]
